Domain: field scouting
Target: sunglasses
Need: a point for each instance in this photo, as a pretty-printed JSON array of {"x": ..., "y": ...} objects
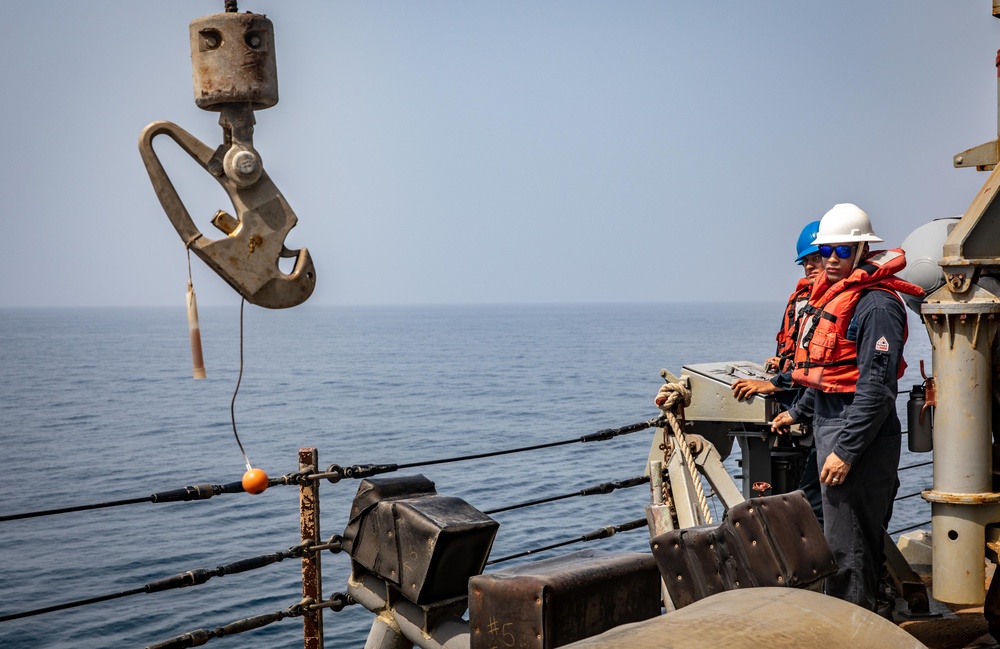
[{"x": 842, "y": 251}]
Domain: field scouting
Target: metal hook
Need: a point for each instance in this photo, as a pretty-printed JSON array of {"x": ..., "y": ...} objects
[
  {"x": 248, "y": 257},
  {"x": 234, "y": 73}
]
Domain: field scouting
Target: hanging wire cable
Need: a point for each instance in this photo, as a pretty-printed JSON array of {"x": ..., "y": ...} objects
[
  {"x": 602, "y": 488},
  {"x": 239, "y": 379},
  {"x": 335, "y": 473},
  {"x": 915, "y": 466},
  {"x": 602, "y": 533},
  {"x": 180, "y": 580},
  {"x": 193, "y": 492}
]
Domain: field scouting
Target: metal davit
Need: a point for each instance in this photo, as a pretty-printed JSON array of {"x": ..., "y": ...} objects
[{"x": 961, "y": 320}]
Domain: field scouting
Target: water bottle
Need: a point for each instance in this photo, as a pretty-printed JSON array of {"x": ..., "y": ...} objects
[{"x": 920, "y": 424}]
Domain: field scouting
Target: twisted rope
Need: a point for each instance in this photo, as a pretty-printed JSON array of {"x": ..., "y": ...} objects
[{"x": 671, "y": 399}]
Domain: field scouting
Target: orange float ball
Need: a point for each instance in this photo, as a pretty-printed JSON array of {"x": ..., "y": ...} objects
[{"x": 254, "y": 481}]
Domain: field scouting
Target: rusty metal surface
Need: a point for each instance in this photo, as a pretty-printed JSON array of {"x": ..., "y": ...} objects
[
  {"x": 552, "y": 602},
  {"x": 312, "y": 584},
  {"x": 983, "y": 157},
  {"x": 982, "y": 302},
  {"x": 933, "y": 496},
  {"x": 233, "y": 60}
]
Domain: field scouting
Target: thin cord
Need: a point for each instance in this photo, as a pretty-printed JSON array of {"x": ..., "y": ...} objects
[{"x": 232, "y": 405}]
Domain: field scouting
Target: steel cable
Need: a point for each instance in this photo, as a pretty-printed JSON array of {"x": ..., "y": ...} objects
[
  {"x": 180, "y": 580},
  {"x": 336, "y": 603},
  {"x": 907, "y": 496},
  {"x": 335, "y": 473},
  {"x": 602, "y": 533},
  {"x": 598, "y": 489},
  {"x": 201, "y": 636},
  {"x": 192, "y": 492}
]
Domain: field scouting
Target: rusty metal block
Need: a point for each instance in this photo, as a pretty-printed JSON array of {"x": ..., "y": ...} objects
[
  {"x": 425, "y": 545},
  {"x": 556, "y": 601},
  {"x": 233, "y": 60}
]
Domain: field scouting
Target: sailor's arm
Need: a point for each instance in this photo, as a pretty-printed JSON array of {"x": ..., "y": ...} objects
[{"x": 801, "y": 411}]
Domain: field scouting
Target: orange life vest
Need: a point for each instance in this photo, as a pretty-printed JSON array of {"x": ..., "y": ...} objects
[
  {"x": 824, "y": 358},
  {"x": 788, "y": 334}
]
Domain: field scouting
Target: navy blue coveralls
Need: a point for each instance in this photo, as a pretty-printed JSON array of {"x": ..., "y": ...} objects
[
  {"x": 809, "y": 482},
  {"x": 862, "y": 428}
]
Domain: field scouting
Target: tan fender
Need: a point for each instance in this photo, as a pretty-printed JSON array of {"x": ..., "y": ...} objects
[{"x": 774, "y": 618}]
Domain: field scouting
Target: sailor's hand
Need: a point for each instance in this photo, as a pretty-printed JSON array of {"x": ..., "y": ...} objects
[
  {"x": 782, "y": 424},
  {"x": 772, "y": 364},
  {"x": 746, "y": 388},
  {"x": 834, "y": 470}
]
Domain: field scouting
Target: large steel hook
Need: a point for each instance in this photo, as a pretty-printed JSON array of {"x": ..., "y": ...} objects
[
  {"x": 248, "y": 257},
  {"x": 235, "y": 73}
]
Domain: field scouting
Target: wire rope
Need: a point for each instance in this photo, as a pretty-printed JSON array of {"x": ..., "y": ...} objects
[
  {"x": 602, "y": 533},
  {"x": 239, "y": 379}
]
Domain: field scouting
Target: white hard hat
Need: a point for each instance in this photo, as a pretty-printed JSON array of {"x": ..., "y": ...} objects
[{"x": 845, "y": 223}]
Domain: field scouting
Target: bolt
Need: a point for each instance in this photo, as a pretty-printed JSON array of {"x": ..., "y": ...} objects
[
  {"x": 959, "y": 159},
  {"x": 254, "y": 41},
  {"x": 245, "y": 163}
]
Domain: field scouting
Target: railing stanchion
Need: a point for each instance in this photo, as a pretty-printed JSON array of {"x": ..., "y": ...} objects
[{"x": 312, "y": 586}]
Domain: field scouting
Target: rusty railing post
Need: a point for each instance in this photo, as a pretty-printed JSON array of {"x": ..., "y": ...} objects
[{"x": 312, "y": 585}]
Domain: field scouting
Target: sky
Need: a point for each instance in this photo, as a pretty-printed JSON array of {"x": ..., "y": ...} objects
[{"x": 524, "y": 151}]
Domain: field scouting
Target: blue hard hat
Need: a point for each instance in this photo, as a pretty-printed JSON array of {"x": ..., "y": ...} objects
[{"x": 804, "y": 246}]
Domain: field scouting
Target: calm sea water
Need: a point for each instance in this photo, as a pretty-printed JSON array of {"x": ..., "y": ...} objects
[{"x": 98, "y": 405}]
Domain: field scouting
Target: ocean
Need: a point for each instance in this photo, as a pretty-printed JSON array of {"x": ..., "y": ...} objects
[{"x": 99, "y": 405}]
